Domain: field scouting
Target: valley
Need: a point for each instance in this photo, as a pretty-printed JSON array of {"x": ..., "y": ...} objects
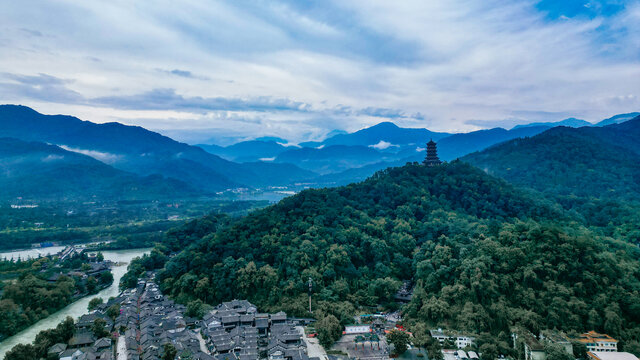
[{"x": 479, "y": 245}]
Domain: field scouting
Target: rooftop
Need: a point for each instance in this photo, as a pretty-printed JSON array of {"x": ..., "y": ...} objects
[{"x": 592, "y": 337}]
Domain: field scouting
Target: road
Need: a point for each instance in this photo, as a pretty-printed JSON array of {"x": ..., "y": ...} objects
[
  {"x": 203, "y": 344},
  {"x": 121, "y": 348},
  {"x": 314, "y": 349}
]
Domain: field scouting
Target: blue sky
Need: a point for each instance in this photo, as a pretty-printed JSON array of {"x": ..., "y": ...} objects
[{"x": 226, "y": 70}]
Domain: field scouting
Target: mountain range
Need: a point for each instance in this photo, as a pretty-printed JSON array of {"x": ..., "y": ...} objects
[
  {"x": 53, "y": 173},
  {"x": 137, "y": 154},
  {"x": 139, "y": 151}
]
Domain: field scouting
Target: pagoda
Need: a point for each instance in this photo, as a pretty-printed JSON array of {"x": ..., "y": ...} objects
[{"x": 432, "y": 154}]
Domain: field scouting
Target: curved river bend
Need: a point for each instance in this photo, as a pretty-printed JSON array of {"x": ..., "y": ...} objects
[{"x": 79, "y": 307}]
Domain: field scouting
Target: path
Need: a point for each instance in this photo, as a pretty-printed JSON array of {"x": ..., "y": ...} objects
[
  {"x": 121, "y": 348},
  {"x": 314, "y": 349},
  {"x": 203, "y": 344}
]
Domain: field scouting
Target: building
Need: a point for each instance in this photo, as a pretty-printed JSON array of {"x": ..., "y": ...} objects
[
  {"x": 610, "y": 355},
  {"x": 557, "y": 338},
  {"x": 432, "y": 155},
  {"x": 596, "y": 342},
  {"x": 357, "y": 329},
  {"x": 533, "y": 349},
  {"x": 461, "y": 341}
]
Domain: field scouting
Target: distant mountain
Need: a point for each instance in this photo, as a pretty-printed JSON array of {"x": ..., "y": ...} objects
[
  {"x": 272, "y": 139},
  {"x": 457, "y": 145},
  {"x": 331, "y": 159},
  {"x": 34, "y": 170},
  {"x": 353, "y": 175},
  {"x": 246, "y": 151},
  {"x": 130, "y": 148},
  {"x": 360, "y": 167},
  {"x": 618, "y": 119},
  {"x": 272, "y": 173},
  {"x": 570, "y": 122},
  {"x": 385, "y": 132},
  {"x": 601, "y": 162}
]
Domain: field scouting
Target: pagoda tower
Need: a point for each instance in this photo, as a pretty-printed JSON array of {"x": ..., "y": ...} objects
[{"x": 432, "y": 154}]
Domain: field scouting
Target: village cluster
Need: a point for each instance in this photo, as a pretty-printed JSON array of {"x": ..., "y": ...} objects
[
  {"x": 148, "y": 322},
  {"x": 146, "y": 325}
]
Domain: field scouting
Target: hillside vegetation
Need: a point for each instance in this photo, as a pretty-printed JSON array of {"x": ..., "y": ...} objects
[
  {"x": 484, "y": 256},
  {"x": 585, "y": 162}
]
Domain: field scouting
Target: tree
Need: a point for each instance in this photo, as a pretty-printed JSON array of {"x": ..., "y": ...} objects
[
  {"x": 113, "y": 311},
  {"x": 197, "y": 309},
  {"x": 92, "y": 284},
  {"x": 106, "y": 278},
  {"x": 579, "y": 350},
  {"x": 94, "y": 303},
  {"x": 556, "y": 352},
  {"x": 22, "y": 352},
  {"x": 489, "y": 351},
  {"x": 100, "y": 256},
  {"x": 170, "y": 352},
  {"x": 420, "y": 336},
  {"x": 329, "y": 330},
  {"x": 98, "y": 328},
  {"x": 399, "y": 339},
  {"x": 434, "y": 350}
]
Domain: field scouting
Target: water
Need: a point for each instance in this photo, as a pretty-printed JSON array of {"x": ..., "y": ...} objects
[
  {"x": 79, "y": 307},
  {"x": 31, "y": 253}
]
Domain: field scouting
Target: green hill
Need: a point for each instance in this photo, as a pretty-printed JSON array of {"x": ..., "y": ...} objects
[
  {"x": 600, "y": 162},
  {"x": 483, "y": 254}
]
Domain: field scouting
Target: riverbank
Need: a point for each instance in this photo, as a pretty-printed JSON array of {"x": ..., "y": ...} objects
[{"x": 79, "y": 307}]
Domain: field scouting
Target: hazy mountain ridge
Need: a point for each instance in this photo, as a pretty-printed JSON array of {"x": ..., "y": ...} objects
[
  {"x": 130, "y": 148},
  {"x": 255, "y": 163},
  {"x": 570, "y": 122},
  {"x": 37, "y": 170}
]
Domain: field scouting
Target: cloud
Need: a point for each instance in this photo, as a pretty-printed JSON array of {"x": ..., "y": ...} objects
[
  {"x": 301, "y": 69},
  {"x": 52, "y": 157},
  {"x": 382, "y": 112},
  {"x": 168, "y": 99},
  {"x": 41, "y": 87},
  {"x": 184, "y": 74},
  {"x": 105, "y": 157},
  {"x": 382, "y": 145}
]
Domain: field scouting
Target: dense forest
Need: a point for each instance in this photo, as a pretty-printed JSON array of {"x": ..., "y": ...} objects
[
  {"x": 585, "y": 162},
  {"x": 27, "y": 296},
  {"x": 484, "y": 255}
]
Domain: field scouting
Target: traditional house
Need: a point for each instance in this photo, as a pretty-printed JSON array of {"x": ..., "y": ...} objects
[{"x": 598, "y": 342}]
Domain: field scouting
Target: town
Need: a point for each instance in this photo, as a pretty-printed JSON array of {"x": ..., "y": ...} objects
[{"x": 143, "y": 324}]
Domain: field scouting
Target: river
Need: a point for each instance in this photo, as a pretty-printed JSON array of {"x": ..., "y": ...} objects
[
  {"x": 31, "y": 253},
  {"x": 79, "y": 307}
]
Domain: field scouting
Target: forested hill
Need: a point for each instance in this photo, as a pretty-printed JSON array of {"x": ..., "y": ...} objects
[
  {"x": 348, "y": 236},
  {"x": 600, "y": 162},
  {"x": 484, "y": 256}
]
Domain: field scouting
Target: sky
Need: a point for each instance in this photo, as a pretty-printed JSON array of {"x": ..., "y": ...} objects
[{"x": 206, "y": 71}]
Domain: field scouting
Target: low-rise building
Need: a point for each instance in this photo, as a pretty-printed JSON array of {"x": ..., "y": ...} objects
[
  {"x": 557, "y": 338},
  {"x": 459, "y": 340},
  {"x": 598, "y": 342},
  {"x": 357, "y": 329},
  {"x": 533, "y": 349},
  {"x": 611, "y": 355}
]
